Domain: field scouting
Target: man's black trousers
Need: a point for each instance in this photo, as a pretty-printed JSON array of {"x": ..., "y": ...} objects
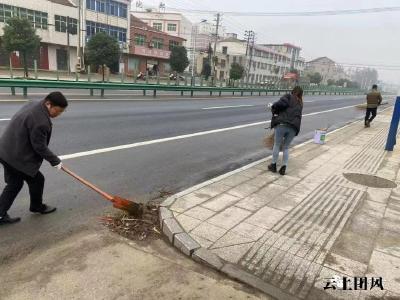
[
  {"x": 369, "y": 112},
  {"x": 14, "y": 181}
]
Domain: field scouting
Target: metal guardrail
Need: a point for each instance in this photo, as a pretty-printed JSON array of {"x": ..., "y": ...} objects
[{"x": 26, "y": 84}]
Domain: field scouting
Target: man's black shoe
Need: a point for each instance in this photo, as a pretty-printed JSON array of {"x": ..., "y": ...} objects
[
  {"x": 6, "y": 219},
  {"x": 282, "y": 170},
  {"x": 272, "y": 168},
  {"x": 46, "y": 209}
]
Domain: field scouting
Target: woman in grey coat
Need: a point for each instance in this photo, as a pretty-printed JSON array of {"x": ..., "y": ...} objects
[{"x": 286, "y": 119}]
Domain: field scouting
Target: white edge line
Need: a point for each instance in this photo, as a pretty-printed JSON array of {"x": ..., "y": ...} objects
[
  {"x": 228, "y": 106},
  {"x": 5, "y": 120},
  {"x": 145, "y": 143}
]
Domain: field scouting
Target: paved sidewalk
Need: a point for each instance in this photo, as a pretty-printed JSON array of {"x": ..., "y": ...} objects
[{"x": 289, "y": 235}]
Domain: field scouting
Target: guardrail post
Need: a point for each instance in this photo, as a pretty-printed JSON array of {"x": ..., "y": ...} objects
[
  {"x": 144, "y": 92},
  {"x": 182, "y": 93},
  {"x": 210, "y": 93},
  {"x": 155, "y": 93},
  {"x": 35, "y": 68},
  {"x": 191, "y": 93},
  {"x": 251, "y": 93},
  {"x": 220, "y": 93},
  {"x": 91, "y": 92},
  {"x": 394, "y": 124},
  {"x": 233, "y": 93},
  {"x": 102, "y": 92},
  {"x": 25, "y": 91},
  {"x": 13, "y": 91},
  {"x": 241, "y": 93}
]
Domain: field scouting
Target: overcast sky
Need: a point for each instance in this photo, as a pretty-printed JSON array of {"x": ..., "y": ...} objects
[{"x": 367, "y": 39}]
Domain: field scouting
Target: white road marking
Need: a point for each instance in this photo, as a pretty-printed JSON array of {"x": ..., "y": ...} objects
[
  {"x": 180, "y": 137},
  {"x": 5, "y": 120},
  {"x": 230, "y": 106}
]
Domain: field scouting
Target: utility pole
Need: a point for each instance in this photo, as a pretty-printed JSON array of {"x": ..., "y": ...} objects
[
  {"x": 68, "y": 47},
  {"x": 218, "y": 20},
  {"x": 252, "y": 36},
  {"x": 78, "y": 52},
  {"x": 247, "y": 35}
]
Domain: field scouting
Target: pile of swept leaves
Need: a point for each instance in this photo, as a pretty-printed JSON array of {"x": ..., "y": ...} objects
[{"x": 138, "y": 229}]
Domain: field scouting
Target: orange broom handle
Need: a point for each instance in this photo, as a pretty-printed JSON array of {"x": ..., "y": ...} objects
[{"x": 88, "y": 184}]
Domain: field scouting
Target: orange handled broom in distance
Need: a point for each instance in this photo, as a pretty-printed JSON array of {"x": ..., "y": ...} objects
[{"x": 135, "y": 209}]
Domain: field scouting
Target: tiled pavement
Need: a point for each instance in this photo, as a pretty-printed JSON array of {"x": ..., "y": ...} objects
[{"x": 288, "y": 235}]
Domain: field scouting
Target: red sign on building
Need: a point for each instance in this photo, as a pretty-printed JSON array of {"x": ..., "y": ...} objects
[{"x": 151, "y": 52}]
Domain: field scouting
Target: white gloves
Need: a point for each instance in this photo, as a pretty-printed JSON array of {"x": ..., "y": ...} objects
[{"x": 59, "y": 166}]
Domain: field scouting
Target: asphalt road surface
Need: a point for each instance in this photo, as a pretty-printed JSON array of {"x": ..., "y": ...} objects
[{"x": 137, "y": 149}]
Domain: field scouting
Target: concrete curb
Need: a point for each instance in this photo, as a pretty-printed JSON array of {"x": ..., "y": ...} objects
[{"x": 182, "y": 241}]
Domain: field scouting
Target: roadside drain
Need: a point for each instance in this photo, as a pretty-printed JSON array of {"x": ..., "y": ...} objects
[{"x": 370, "y": 180}]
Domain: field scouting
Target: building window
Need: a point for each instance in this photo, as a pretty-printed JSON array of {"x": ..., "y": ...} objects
[
  {"x": 171, "y": 27},
  {"x": 172, "y": 44},
  {"x": 112, "y": 8},
  {"x": 158, "y": 43},
  {"x": 37, "y": 18},
  {"x": 224, "y": 50},
  {"x": 61, "y": 24},
  {"x": 92, "y": 28},
  {"x": 157, "y": 26},
  {"x": 139, "y": 39}
]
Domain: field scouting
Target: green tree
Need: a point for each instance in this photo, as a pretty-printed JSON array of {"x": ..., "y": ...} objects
[
  {"x": 102, "y": 50},
  {"x": 19, "y": 35},
  {"x": 206, "y": 72},
  {"x": 315, "y": 78},
  {"x": 332, "y": 82},
  {"x": 341, "y": 82},
  {"x": 236, "y": 72},
  {"x": 178, "y": 59}
]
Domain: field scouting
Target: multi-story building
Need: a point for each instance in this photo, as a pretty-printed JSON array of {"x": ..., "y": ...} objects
[
  {"x": 150, "y": 49},
  {"x": 57, "y": 24},
  {"x": 263, "y": 63},
  {"x": 171, "y": 23},
  {"x": 296, "y": 62},
  {"x": 328, "y": 69}
]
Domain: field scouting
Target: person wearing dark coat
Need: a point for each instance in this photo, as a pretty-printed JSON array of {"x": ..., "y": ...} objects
[
  {"x": 23, "y": 147},
  {"x": 374, "y": 99},
  {"x": 286, "y": 120}
]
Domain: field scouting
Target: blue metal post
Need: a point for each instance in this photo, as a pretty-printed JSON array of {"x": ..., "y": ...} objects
[{"x": 391, "y": 140}]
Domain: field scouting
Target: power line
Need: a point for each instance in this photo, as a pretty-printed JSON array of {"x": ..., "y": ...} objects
[{"x": 294, "y": 14}]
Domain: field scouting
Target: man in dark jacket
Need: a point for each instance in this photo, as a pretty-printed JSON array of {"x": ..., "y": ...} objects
[
  {"x": 374, "y": 99},
  {"x": 23, "y": 147}
]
